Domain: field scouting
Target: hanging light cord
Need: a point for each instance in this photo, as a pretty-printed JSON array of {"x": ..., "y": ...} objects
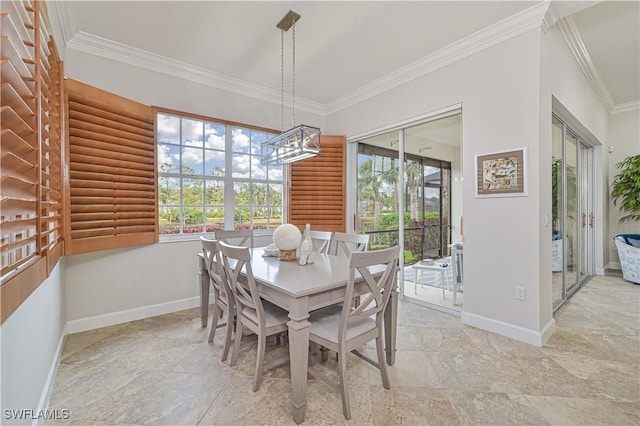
[
  {"x": 281, "y": 81},
  {"x": 293, "y": 83}
]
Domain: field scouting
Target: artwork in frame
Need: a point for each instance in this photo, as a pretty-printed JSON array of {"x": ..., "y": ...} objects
[{"x": 501, "y": 174}]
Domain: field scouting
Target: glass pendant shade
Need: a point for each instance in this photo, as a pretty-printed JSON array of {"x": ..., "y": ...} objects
[{"x": 293, "y": 145}]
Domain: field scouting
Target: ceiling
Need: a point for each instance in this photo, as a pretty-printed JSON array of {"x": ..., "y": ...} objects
[{"x": 343, "y": 48}]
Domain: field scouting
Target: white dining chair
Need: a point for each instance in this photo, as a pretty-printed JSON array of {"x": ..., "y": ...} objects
[
  {"x": 347, "y": 243},
  {"x": 236, "y": 237},
  {"x": 223, "y": 299},
  {"x": 321, "y": 240},
  {"x": 344, "y": 328},
  {"x": 260, "y": 316}
]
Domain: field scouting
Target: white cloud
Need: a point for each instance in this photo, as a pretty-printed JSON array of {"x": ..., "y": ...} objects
[
  {"x": 215, "y": 142},
  {"x": 241, "y": 166},
  {"x": 192, "y": 156},
  {"x": 241, "y": 140}
]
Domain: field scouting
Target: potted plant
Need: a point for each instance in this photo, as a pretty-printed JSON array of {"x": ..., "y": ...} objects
[{"x": 625, "y": 190}]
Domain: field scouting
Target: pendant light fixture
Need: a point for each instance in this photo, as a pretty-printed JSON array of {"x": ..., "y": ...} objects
[{"x": 301, "y": 141}]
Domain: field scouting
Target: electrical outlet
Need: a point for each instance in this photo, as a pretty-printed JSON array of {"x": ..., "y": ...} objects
[{"x": 521, "y": 293}]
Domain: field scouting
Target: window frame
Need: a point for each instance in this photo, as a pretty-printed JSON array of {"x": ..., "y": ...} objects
[{"x": 228, "y": 180}]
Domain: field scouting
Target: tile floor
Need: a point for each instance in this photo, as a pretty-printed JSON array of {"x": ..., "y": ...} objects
[{"x": 162, "y": 371}]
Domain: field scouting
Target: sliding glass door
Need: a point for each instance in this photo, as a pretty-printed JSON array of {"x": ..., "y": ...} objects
[
  {"x": 404, "y": 180},
  {"x": 572, "y": 212}
]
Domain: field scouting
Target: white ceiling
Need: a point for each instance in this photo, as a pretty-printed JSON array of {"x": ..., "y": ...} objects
[{"x": 345, "y": 47}]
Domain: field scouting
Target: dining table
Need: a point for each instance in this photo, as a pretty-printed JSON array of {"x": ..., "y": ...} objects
[{"x": 301, "y": 289}]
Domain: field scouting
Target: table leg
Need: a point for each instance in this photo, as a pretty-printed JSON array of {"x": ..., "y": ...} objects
[
  {"x": 299, "y": 359},
  {"x": 391, "y": 326},
  {"x": 204, "y": 293},
  {"x": 455, "y": 289}
]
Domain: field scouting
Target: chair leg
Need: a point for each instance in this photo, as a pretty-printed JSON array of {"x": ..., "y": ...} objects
[
  {"x": 214, "y": 322},
  {"x": 324, "y": 354},
  {"x": 382, "y": 364},
  {"x": 236, "y": 343},
  {"x": 227, "y": 342},
  {"x": 342, "y": 369},
  {"x": 262, "y": 343}
]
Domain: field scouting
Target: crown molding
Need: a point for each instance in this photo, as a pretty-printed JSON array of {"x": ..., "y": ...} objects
[
  {"x": 626, "y": 107},
  {"x": 119, "y": 52},
  {"x": 570, "y": 31},
  {"x": 506, "y": 29},
  {"x": 499, "y": 32}
]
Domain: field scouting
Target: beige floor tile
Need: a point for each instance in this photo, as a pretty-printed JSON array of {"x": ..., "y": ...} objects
[
  {"x": 562, "y": 411},
  {"x": 494, "y": 408},
  {"x": 162, "y": 370}
]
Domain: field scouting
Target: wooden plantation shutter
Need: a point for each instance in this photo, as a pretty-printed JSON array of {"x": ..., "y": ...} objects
[
  {"x": 31, "y": 145},
  {"x": 317, "y": 188},
  {"x": 19, "y": 136},
  {"x": 112, "y": 175},
  {"x": 51, "y": 164}
]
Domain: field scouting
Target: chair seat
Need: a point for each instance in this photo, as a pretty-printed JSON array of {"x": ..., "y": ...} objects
[
  {"x": 325, "y": 324},
  {"x": 274, "y": 315}
]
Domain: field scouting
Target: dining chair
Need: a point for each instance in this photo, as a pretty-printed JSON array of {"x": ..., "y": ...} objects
[
  {"x": 236, "y": 237},
  {"x": 345, "y": 328},
  {"x": 321, "y": 240},
  {"x": 260, "y": 316},
  {"x": 223, "y": 299},
  {"x": 347, "y": 243}
]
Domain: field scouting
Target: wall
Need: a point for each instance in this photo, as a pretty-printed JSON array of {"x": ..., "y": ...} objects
[
  {"x": 566, "y": 91},
  {"x": 32, "y": 339},
  {"x": 161, "y": 90},
  {"x": 624, "y": 140},
  {"x": 498, "y": 89}
]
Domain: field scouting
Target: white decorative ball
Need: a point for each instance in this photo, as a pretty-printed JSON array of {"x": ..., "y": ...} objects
[{"x": 287, "y": 237}]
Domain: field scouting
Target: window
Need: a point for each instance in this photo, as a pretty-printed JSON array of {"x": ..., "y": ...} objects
[{"x": 210, "y": 177}]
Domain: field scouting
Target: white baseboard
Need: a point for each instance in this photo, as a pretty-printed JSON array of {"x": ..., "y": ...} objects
[
  {"x": 45, "y": 396},
  {"x": 113, "y": 318},
  {"x": 532, "y": 337},
  {"x": 614, "y": 265}
]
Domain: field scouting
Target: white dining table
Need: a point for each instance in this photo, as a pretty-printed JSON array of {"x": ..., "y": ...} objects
[{"x": 301, "y": 290}]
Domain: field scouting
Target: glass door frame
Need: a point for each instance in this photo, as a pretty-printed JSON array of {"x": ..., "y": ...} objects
[{"x": 583, "y": 258}]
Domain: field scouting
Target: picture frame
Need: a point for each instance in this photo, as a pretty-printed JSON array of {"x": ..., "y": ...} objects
[{"x": 501, "y": 174}]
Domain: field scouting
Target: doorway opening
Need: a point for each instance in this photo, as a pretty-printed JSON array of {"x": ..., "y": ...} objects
[{"x": 417, "y": 203}]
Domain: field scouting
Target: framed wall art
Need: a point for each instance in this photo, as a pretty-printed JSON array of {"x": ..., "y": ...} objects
[{"x": 502, "y": 174}]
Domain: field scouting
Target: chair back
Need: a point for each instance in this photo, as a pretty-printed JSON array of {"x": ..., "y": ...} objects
[
  {"x": 345, "y": 244},
  {"x": 248, "y": 302},
  {"x": 236, "y": 237},
  {"x": 321, "y": 240},
  {"x": 377, "y": 291},
  {"x": 217, "y": 276}
]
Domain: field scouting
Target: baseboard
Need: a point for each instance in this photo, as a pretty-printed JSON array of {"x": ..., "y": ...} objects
[
  {"x": 48, "y": 384},
  {"x": 113, "y": 318},
  {"x": 532, "y": 337},
  {"x": 614, "y": 265}
]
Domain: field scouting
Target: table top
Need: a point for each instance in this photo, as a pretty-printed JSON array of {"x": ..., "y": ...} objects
[
  {"x": 327, "y": 272},
  {"x": 436, "y": 266}
]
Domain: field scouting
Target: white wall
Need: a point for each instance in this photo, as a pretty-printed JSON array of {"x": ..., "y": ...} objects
[
  {"x": 161, "y": 90},
  {"x": 624, "y": 140},
  {"x": 498, "y": 89},
  {"x": 583, "y": 111},
  {"x": 31, "y": 343},
  {"x": 121, "y": 285}
]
